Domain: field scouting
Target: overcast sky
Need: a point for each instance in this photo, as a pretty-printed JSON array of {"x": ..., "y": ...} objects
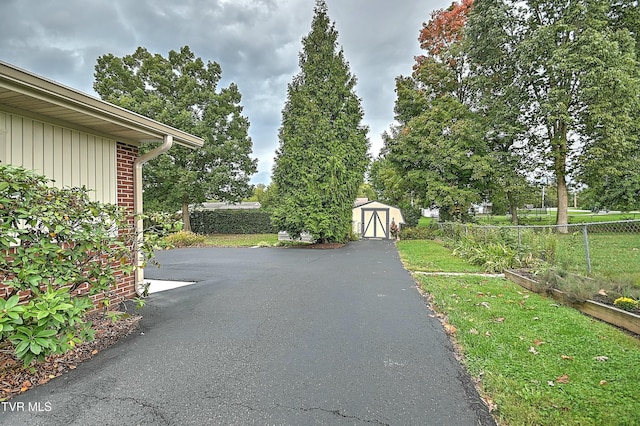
[{"x": 256, "y": 42}]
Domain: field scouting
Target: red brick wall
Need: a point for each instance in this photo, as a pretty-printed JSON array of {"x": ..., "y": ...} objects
[
  {"x": 125, "y": 284},
  {"x": 125, "y": 157}
]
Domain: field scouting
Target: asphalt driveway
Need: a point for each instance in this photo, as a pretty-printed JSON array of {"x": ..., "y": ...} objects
[{"x": 271, "y": 336}]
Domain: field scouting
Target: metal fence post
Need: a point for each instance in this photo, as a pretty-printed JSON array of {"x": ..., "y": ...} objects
[
  {"x": 519, "y": 240},
  {"x": 586, "y": 248}
]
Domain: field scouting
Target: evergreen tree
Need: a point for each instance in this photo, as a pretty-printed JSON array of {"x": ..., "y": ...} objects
[{"x": 322, "y": 156}]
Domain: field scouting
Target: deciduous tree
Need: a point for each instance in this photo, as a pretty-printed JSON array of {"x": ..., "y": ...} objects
[
  {"x": 182, "y": 91},
  {"x": 490, "y": 45},
  {"x": 574, "y": 73},
  {"x": 439, "y": 147}
]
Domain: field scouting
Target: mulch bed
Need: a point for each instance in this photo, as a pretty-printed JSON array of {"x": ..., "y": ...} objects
[
  {"x": 16, "y": 379},
  {"x": 321, "y": 246}
]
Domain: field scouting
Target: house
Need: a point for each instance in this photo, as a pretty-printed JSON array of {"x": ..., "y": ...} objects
[
  {"x": 430, "y": 212},
  {"x": 372, "y": 219},
  {"x": 485, "y": 207},
  {"x": 79, "y": 140}
]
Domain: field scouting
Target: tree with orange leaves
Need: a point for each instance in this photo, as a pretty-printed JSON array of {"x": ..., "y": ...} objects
[
  {"x": 439, "y": 150},
  {"x": 445, "y": 27},
  {"x": 443, "y": 67}
]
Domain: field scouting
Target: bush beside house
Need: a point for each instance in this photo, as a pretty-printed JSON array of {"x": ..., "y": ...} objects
[
  {"x": 76, "y": 141},
  {"x": 63, "y": 253}
]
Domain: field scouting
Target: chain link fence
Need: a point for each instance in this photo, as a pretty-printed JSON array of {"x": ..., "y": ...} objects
[{"x": 599, "y": 248}]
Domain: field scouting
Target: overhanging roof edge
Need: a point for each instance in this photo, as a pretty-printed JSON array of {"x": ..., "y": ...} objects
[{"x": 42, "y": 88}]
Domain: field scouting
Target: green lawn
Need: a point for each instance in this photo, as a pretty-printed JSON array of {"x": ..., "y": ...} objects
[
  {"x": 426, "y": 221},
  {"x": 533, "y": 218},
  {"x": 431, "y": 256},
  {"x": 539, "y": 363},
  {"x": 615, "y": 256},
  {"x": 240, "y": 240}
]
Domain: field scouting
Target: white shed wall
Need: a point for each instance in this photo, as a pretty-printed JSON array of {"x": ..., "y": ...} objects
[
  {"x": 394, "y": 215},
  {"x": 71, "y": 158}
]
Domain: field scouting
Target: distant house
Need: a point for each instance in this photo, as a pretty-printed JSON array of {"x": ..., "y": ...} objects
[
  {"x": 435, "y": 212},
  {"x": 78, "y": 140},
  {"x": 484, "y": 208}
]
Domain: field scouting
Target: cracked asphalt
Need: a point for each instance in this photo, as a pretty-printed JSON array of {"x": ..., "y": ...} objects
[{"x": 271, "y": 336}]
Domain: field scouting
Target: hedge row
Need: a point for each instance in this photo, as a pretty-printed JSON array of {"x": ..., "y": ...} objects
[{"x": 231, "y": 222}]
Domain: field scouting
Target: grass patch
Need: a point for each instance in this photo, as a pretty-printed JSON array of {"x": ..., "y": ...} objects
[
  {"x": 188, "y": 239},
  {"x": 549, "y": 218},
  {"x": 540, "y": 363},
  {"x": 241, "y": 240},
  {"x": 612, "y": 255},
  {"x": 427, "y": 221},
  {"x": 431, "y": 256}
]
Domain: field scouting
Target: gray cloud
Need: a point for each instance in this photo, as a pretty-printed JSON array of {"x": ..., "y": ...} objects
[{"x": 256, "y": 42}]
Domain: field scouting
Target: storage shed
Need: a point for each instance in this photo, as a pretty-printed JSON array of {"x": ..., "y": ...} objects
[{"x": 372, "y": 219}]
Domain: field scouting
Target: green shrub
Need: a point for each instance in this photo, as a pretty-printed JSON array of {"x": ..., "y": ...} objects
[
  {"x": 410, "y": 214},
  {"x": 626, "y": 303},
  {"x": 492, "y": 257},
  {"x": 499, "y": 248},
  {"x": 184, "y": 239},
  {"x": 52, "y": 322},
  {"x": 56, "y": 242},
  {"x": 232, "y": 222},
  {"x": 418, "y": 232}
]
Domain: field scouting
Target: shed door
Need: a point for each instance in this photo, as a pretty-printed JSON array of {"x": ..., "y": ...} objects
[{"x": 375, "y": 223}]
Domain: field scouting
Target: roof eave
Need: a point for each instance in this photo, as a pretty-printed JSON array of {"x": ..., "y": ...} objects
[{"x": 41, "y": 88}]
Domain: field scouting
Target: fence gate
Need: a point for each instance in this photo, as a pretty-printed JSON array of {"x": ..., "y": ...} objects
[{"x": 375, "y": 223}]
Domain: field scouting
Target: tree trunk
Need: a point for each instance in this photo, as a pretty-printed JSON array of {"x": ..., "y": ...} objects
[
  {"x": 513, "y": 208},
  {"x": 514, "y": 214},
  {"x": 562, "y": 217},
  {"x": 185, "y": 217},
  {"x": 560, "y": 148}
]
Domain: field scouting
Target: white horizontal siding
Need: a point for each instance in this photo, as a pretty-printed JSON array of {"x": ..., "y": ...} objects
[{"x": 70, "y": 157}]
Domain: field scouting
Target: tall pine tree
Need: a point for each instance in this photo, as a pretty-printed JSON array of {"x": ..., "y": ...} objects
[{"x": 322, "y": 156}]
